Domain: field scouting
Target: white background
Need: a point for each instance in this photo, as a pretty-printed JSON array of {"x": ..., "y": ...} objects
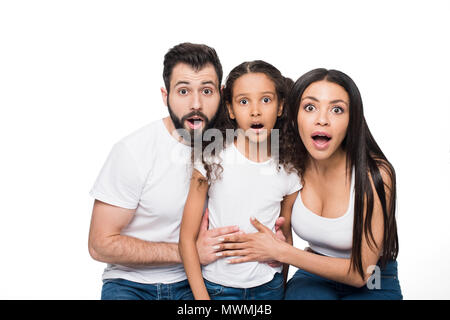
[{"x": 77, "y": 76}]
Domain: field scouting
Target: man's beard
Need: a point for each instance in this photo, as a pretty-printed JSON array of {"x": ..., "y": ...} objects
[{"x": 192, "y": 133}]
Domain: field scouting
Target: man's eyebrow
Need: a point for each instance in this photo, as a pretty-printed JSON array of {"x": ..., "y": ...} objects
[
  {"x": 181, "y": 82},
  {"x": 209, "y": 82}
]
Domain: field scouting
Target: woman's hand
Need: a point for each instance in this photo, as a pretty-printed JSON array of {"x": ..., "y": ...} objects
[{"x": 262, "y": 246}]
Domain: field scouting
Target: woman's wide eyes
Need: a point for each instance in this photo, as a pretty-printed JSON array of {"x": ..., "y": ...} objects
[
  {"x": 309, "y": 107},
  {"x": 337, "y": 110}
]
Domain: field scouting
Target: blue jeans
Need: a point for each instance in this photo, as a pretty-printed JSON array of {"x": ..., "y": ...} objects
[
  {"x": 120, "y": 289},
  {"x": 307, "y": 286},
  {"x": 272, "y": 290}
]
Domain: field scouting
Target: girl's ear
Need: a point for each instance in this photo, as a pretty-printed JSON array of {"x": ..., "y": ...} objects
[
  {"x": 280, "y": 109},
  {"x": 230, "y": 111}
]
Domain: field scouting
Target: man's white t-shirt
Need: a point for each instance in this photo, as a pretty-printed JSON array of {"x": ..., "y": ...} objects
[
  {"x": 148, "y": 171},
  {"x": 245, "y": 189}
]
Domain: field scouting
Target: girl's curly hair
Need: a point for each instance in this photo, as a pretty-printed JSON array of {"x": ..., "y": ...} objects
[{"x": 287, "y": 155}]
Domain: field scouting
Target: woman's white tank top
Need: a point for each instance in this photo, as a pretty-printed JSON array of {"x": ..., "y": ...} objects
[{"x": 328, "y": 236}]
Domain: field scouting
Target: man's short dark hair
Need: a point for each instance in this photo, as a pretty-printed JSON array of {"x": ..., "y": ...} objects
[{"x": 194, "y": 55}]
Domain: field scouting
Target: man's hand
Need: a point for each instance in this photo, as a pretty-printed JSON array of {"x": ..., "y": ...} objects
[{"x": 208, "y": 240}]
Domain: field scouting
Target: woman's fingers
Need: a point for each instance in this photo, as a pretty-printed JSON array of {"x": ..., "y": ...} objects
[{"x": 258, "y": 225}]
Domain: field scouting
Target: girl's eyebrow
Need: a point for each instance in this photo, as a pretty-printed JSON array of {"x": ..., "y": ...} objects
[{"x": 265, "y": 92}]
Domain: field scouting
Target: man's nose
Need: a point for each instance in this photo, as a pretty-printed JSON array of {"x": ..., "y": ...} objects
[{"x": 196, "y": 101}]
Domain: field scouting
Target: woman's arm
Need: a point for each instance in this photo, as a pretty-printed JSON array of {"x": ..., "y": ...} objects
[
  {"x": 262, "y": 246},
  {"x": 190, "y": 225},
  {"x": 286, "y": 212}
]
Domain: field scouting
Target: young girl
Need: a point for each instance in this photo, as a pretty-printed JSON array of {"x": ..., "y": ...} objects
[
  {"x": 346, "y": 208},
  {"x": 242, "y": 180}
]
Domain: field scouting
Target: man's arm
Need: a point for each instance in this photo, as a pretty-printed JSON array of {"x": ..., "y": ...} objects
[{"x": 106, "y": 244}]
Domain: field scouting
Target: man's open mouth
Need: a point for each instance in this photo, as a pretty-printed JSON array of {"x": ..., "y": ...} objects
[{"x": 194, "y": 122}]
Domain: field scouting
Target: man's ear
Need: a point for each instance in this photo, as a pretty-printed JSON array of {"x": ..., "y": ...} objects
[
  {"x": 164, "y": 95},
  {"x": 230, "y": 111}
]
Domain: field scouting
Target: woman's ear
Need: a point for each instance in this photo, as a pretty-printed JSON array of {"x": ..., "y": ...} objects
[{"x": 230, "y": 111}]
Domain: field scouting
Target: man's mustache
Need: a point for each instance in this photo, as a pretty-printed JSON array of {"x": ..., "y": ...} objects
[{"x": 195, "y": 114}]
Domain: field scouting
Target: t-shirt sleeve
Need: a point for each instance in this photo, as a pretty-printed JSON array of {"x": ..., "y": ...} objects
[
  {"x": 293, "y": 183},
  {"x": 198, "y": 165},
  {"x": 120, "y": 181}
]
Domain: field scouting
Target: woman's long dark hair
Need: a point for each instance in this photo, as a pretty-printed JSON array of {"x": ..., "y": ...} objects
[
  {"x": 286, "y": 158},
  {"x": 364, "y": 154}
]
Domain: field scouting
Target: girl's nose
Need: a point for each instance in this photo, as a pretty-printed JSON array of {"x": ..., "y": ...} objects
[{"x": 255, "y": 110}]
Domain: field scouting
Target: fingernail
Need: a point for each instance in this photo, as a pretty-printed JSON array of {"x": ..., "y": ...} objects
[
  {"x": 252, "y": 218},
  {"x": 218, "y": 254},
  {"x": 216, "y": 247},
  {"x": 221, "y": 239}
]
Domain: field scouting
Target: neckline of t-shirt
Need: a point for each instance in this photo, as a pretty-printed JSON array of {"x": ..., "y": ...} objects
[
  {"x": 247, "y": 159},
  {"x": 170, "y": 137},
  {"x": 350, "y": 202}
]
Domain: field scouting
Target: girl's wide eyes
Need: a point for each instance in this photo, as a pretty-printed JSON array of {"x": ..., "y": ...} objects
[
  {"x": 266, "y": 100},
  {"x": 243, "y": 101}
]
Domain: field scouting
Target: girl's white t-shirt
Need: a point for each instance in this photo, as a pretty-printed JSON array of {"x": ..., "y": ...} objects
[{"x": 245, "y": 189}]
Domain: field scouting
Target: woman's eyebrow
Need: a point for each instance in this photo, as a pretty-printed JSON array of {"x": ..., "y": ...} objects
[
  {"x": 339, "y": 100},
  {"x": 309, "y": 97}
]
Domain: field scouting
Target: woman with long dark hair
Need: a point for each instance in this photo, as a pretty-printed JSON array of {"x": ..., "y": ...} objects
[{"x": 346, "y": 209}]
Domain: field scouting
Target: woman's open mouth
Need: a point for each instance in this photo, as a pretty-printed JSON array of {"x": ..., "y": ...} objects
[{"x": 321, "y": 140}]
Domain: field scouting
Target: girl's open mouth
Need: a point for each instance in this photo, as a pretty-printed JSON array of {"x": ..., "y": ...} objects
[{"x": 257, "y": 127}]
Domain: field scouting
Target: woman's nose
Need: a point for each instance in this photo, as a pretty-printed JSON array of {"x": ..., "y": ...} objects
[{"x": 322, "y": 118}]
